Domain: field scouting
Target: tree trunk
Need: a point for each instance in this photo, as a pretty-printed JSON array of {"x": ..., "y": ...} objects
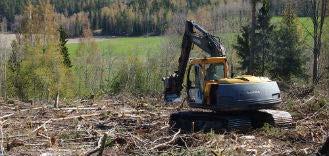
[
  {"x": 316, "y": 66},
  {"x": 319, "y": 9},
  {"x": 263, "y": 62},
  {"x": 252, "y": 38},
  {"x": 57, "y": 100},
  {"x": 1, "y": 74},
  {"x": 5, "y": 77}
]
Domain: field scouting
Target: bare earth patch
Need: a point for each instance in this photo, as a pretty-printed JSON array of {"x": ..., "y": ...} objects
[
  {"x": 96, "y": 38},
  {"x": 6, "y": 39}
]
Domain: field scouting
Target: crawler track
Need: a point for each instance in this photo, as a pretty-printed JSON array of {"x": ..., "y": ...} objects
[
  {"x": 242, "y": 121},
  {"x": 276, "y": 118}
]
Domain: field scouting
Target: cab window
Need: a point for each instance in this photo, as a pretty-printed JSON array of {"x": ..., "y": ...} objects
[
  {"x": 214, "y": 71},
  {"x": 195, "y": 76}
]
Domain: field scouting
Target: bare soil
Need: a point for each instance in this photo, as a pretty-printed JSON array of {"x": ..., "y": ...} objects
[
  {"x": 5, "y": 40},
  {"x": 96, "y": 38}
]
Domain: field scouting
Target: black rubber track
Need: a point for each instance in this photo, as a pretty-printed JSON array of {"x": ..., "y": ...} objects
[{"x": 228, "y": 121}]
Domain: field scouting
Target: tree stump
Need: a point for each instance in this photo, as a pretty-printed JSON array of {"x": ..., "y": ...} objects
[{"x": 325, "y": 148}]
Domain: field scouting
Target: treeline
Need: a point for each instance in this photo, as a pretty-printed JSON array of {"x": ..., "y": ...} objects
[{"x": 127, "y": 17}]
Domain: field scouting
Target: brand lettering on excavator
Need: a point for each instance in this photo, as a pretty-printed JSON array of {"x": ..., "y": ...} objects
[{"x": 253, "y": 92}]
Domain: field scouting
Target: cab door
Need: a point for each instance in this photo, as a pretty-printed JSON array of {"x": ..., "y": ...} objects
[{"x": 195, "y": 85}]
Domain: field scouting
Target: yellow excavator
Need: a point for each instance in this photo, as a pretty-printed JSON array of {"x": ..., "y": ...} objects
[{"x": 223, "y": 103}]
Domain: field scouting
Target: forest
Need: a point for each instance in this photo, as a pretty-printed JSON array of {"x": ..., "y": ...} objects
[
  {"x": 85, "y": 76},
  {"x": 131, "y": 17}
]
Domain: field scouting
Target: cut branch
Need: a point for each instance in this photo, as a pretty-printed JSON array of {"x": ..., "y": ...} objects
[
  {"x": 168, "y": 142},
  {"x": 100, "y": 147},
  {"x": 7, "y": 116}
]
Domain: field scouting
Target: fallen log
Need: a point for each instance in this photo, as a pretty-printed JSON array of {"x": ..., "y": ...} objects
[{"x": 78, "y": 108}]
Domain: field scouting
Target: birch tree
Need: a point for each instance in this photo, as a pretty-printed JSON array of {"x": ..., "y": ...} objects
[{"x": 317, "y": 13}]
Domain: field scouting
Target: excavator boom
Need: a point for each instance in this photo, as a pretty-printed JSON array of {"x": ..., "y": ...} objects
[{"x": 204, "y": 40}]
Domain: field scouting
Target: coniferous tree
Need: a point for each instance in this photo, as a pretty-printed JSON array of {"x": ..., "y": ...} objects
[
  {"x": 252, "y": 37},
  {"x": 264, "y": 40},
  {"x": 15, "y": 80},
  {"x": 258, "y": 59},
  {"x": 243, "y": 47},
  {"x": 64, "y": 51},
  {"x": 289, "y": 60}
]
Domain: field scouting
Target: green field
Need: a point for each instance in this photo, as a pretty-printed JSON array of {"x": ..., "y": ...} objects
[
  {"x": 141, "y": 46},
  {"x": 305, "y": 23},
  {"x": 125, "y": 46}
]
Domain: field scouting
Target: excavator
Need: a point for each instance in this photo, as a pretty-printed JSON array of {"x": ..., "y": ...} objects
[{"x": 219, "y": 102}]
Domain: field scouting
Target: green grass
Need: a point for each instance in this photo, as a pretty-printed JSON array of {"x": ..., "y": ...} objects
[
  {"x": 141, "y": 46},
  {"x": 305, "y": 23},
  {"x": 125, "y": 46}
]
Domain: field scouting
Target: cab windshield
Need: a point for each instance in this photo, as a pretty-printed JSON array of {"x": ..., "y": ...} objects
[{"x": 214, "y": 71}]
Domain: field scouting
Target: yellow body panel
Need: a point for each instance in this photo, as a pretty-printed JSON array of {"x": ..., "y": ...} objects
[{"x": 243, "y": 79}]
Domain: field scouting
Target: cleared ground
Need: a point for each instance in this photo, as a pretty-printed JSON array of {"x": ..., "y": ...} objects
[{"x": 139, "y": 126}]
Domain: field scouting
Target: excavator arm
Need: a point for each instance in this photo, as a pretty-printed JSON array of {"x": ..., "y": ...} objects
[{"x": 194, "y": 35}]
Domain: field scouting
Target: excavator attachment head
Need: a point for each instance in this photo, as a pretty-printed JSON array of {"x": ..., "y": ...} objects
[
  {"x": 172, "y": 98},
  {"x": 171, "y": 89}
]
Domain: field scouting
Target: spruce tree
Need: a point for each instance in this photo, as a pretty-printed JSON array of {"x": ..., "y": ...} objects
[
  {"x": 264, "y": 40},
  {"x": 243, "y": 47},
  {"x": 64, "y": 51},
  {"x": 290, "y": 57},
  {"x": 260, "y": 57}
]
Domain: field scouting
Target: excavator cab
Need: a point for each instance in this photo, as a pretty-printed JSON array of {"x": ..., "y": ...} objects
[{"x": 200, "y": 73}]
